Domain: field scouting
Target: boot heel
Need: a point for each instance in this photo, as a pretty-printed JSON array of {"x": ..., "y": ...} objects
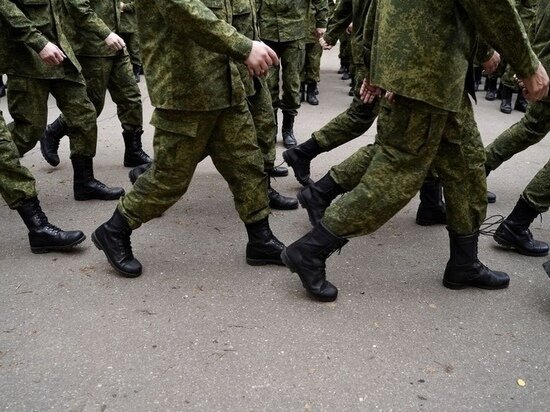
[
  {"x": 454, "y": 286},
  {"x": 39, "y": 250}
]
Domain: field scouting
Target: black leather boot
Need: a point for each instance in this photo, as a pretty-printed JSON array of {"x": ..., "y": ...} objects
[
  {"x": 133, "y": 152},
  {"x": 299, "y": 159},
  {"x": 280, "y": 202},
  {"x": 288, "y": 130},
  {"x": 464, "y": 268},
  {"x": 514, "y": 232},
  {"x": 263, "y": 248},
  {"x": 113, "y": 238},
  {"x": 521, "y": 103},
  {"x": 506, "y": 104},
  {"x": 431, "y": 210},
  {"x": 137, "y": 71},
  {"x": 491, "y": 84},
  {"x": 302, "y": 92},
  {"x": 49, "y": 144},
  {"x": 307, "y": 257},
  {"x": 138, "y": 171},
  {"x": 310, "y": 93},
  {"x": 43, "y": 236},
  {"x": 277, "y": 171},
  {"x": 85, "y": 186},
  {"x": 316, "y": 197}
]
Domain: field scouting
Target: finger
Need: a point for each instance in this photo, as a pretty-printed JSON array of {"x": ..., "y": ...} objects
[{"x": 274, "y": 57}]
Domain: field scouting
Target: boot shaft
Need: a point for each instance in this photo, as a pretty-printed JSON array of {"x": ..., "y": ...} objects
[
  {"x": 288, "y": 121},
  {"x": 522, "y": 215},
  {"x": 463, "y": 249},
  {"x": 327, "y": 188},
  {"x": 431, "y": 193},
  {"x": 83, "y": 168},
  {"x": 259, "y": 231},
  {"x": 32, "y": 214}
]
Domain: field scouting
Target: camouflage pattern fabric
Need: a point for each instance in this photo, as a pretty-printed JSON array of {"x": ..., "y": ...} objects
[
  {"x": 344, "y": 53},
  {"x": 537, "y": 191},
  {"x": 227, "y": 136},
  {"x": 349, "y": 173},
  {"x": 414, "y": 136},
  {"x": 291, "y": 56},
  {"x": 16, "y": 181},
  {"x": 28, "y": 106},
  {"x": 128, "y": 31},
  {"x": 261, "y": 108},
  {"x": 312, "y": 63}
]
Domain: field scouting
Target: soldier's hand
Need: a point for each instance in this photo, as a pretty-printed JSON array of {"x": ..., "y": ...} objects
[
  {"x": 319, "y": 32},
  {"x": 115, "y": 42},
  {"x": 324, "y": 44},
  {"x": 536, "y": 86},
  {"x": 369, "y": 92},
  {"x": 260, "y": 59},
  {"x": 491, "y": 65},
  {"x": 349, "y": 29},
  {"x": 51, "y": 54}
]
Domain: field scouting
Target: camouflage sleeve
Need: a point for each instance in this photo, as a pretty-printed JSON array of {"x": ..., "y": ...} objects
[
  {"x": 194, "y": 20},
  {"x": 21, "y": 27},
  {"x": 129, "y": 7},
  {"x": 86, "y": 18},
  {"x": 498, "y": 22},
  {"x": 339, "y": 21},
  {"x": 368, "y": 32},
  {"x": 321, "y": 13}
]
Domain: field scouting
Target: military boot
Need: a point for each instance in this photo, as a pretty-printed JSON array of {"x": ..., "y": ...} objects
[
  {"x": 316, "y": 197},
  {"x": 113, "y": 238},
  {"x": 307, "y": 257},
  {"x": 138, "y": 171},
  {"x": 464, "y": 268},
  {"x": 43, "y": 236},
  {"x": 431, "y": 210},
  {"x": 263, "y": 248},
  {"x": 277, "y": 171},
  {"x": 278, "y": 201},
  {"x": 133, "y": 152},
  {"x": 506, "y": 104},
  {"x": 311, "y": 97},
  {"x": 85, "y": 186},
  {"x": 521, "y": 103},
  {"x": 137, "y": 71},
  {"x": 49, "y": 143},
  {"x": 513, "y": 232},
  {"x": 2, "y": 87},
  {"x": 491, "y": 84},
  {"x": 299, "y": 159},
  {"x": 302, "y": 92},
  {"x": 288, "y": 130}
]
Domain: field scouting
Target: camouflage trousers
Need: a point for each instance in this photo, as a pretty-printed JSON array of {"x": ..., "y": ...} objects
[
  {"x": 16, "y": 181},
  {"x": 132, "y": 45},
  {"x": 352, "y": 123},
  {"x": 414, "y": 136},
  {"x": 114, "y": 74},
  {"x": 291, "y": 55},
  {"x": 180, "y": 140},
  {"x": 531, "y": 129},
  {"x": 28, "y": 106},
  {"x": 312, "y": 63},
  {"x": 261, "y": 108},
  {"x": 344, "y": 53},
  {"x": 537, "y": 191}
]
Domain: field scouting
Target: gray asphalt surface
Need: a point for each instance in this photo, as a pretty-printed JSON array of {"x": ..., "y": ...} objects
[{"x": 202, "y": 330}]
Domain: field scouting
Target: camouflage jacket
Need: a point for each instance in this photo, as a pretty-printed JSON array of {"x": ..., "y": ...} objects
[
  {"x": 422, "y": 49},
  {"x": 91, "y": 21},
  {"x": 287, "y": 20},
  {"x": 128, "y": 21},
  {"x": 244, "y": 20},
  {"x": 540, "y": 34},
  {"x": 188, "y": 49},
  {"x": 26, "y": 26},
  {"x": 346, "y": 12}
]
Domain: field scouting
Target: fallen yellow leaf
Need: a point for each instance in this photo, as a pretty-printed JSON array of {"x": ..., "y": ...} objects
[{"x": 521, "y": 382}]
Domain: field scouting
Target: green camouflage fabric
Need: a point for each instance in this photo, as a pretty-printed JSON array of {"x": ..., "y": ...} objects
[
  {"x": 349, "y": 173},
  {"x": 537, "y": 191},
  {"x": 540, "y": 33},
  {"x": 89, "y": 24},
  {"x": 344, "y": 52},
  {"x": 128, "y": 31},
  {"x": 16, "y": 181},
  {"x": 113, "y": 74},
  {"x": 422, "y": 49},
  {"x": 414, "y": 136},
  {"x": 287, "y": 20},
  {"x": 291, "y": 57},
  {"x": 25, "y": 28},
  {"x": 227, "y": 136},
  {"x": 312, "y": 63},
  {"x": 205, "y": 80},
  {"x": 28, "y": 106},
  {"x": 245, "y": 21}
]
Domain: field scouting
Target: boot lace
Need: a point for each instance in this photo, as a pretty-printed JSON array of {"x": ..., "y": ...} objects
[{"x": 489, "y": 225}]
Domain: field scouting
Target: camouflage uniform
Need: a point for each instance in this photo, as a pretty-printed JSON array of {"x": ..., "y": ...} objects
[
  {"x": 313, "y": 52},
  {"x": 128, "y": 31},
  {"x": 283, "y": 28},
  {"x": 31, "y": 80},
  {"x": 200, "y": 107},
  {"x": 91, "y": 22},
  {"x": 431, "y": 121},
  {"x": 534, "y": 126}
]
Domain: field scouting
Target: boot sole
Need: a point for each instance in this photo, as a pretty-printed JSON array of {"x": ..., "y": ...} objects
[
  {"x": 423, "y": 222},
  {"x": 121, "y": 272},
  {"x": 507, "y": 245},
  {"x": 263, "y": 262},
  {"x": 45, "y": 249},
  {"x": 457, "y": 286},
  {"x": 288, "y": 263},
  {"x": 278, "y": 207},
  {"x": 83, "y": 197}
]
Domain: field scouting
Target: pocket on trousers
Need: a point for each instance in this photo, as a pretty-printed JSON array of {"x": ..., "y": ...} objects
[
  {"x": 175, "y": 121},
  {"x": 17, "y": 84}
]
